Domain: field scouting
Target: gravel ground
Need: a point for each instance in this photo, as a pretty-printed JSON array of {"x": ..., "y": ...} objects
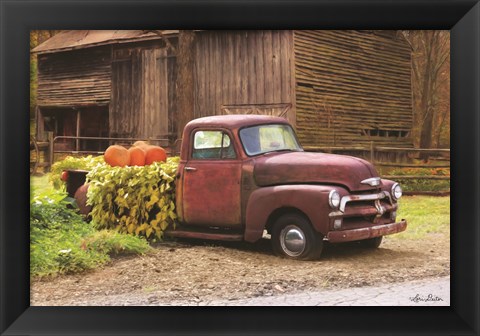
[
  {"x": 193, "y": 273},
  {"x": 429, "y": 292}
]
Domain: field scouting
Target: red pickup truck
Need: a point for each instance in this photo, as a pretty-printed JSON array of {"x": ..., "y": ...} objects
[{"x": 246, "y": 177}]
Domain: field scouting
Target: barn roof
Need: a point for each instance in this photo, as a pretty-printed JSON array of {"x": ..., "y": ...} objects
[{"x": 79, "y": 39}]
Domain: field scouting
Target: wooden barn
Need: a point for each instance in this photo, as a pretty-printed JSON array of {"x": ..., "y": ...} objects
[{"x": 338, "y": 88}]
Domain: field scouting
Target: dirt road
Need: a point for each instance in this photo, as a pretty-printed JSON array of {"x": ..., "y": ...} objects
[{"x": 190, "y": 273}]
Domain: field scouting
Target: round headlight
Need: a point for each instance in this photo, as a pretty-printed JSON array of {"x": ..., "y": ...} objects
[
  {"x": 334, "y": 199},
  {"x": 396, "y": 191}
]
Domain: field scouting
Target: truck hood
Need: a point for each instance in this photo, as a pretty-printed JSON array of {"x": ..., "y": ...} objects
[{"x": 302, "y": 167}]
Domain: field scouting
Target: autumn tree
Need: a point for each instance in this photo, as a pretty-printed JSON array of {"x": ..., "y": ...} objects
[{"x": 430, "y": 87}]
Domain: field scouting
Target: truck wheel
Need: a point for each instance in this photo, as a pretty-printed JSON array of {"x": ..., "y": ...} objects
[
  {"x": 371, "y": 243},
  {"x": 293, "y": 237}
]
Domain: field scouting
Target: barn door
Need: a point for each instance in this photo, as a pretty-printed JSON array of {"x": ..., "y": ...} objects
[
  {"x": 124, "y": 110},
  {"x": 139, "y": 105}
]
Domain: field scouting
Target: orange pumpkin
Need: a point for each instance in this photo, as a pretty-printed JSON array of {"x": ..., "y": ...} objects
[
  {"x": 117, "y": 156},
  {"x": 142, "y": 144},
  {"x": 137, "y": 156},
  {"x": 155, "y": 154}
]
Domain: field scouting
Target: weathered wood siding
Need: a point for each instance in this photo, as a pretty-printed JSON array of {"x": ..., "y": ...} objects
[
  {"x": 244, "y": 72},
  {"x": 74, "y": 78},
  {"x": 337, "y": 87},
  {"x": 352, "y": 87},
  {"x": 126, "y": 93},
  {"x": 140, "y": 93}
]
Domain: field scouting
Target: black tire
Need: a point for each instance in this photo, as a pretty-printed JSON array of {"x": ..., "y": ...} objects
[
  {"x": 371, "y": 243},
  {"x": 305, "y": 243}
]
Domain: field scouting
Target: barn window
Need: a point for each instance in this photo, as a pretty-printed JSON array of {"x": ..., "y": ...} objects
[{"x": 385, "y": 133}]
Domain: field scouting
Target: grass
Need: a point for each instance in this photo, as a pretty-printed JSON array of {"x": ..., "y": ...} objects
[
  {"x": 62, "y": 242},
  {"x": 40, "y": 184},
  {"x": 425, "y": 215}
]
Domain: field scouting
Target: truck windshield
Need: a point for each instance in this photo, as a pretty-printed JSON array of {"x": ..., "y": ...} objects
[{"x": 268, "y": 138}]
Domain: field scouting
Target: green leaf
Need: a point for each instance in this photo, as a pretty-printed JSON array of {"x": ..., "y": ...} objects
[{"x": 125, "y": 198}]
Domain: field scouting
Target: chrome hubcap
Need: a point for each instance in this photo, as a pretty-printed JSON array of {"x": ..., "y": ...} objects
[{"x": 292, "y": 240}]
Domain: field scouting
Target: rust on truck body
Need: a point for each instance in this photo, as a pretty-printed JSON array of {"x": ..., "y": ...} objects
[
  {"x": 250, "y": 191},
  {"x": 302, "y": 167},
  {"x": 310, "y": 200},
  {"x": 211, "y": 193}
]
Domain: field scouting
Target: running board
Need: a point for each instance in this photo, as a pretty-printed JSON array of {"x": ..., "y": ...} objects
[{"x": 204, "y": 235}]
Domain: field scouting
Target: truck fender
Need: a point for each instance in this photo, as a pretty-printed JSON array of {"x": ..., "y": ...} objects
[{"x": 311, "y": 200}]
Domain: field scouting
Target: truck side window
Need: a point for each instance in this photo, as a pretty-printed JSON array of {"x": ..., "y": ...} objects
[{"x": 212, "y": 145}]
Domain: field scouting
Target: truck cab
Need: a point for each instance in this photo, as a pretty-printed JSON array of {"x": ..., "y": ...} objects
[{"x": 246, "y": 177}]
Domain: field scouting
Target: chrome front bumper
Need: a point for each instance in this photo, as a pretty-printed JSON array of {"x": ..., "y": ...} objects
[{"x": 366, "y": 233}]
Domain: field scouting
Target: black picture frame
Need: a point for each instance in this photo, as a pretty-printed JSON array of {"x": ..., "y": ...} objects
[{"x": 461, "y": 17}]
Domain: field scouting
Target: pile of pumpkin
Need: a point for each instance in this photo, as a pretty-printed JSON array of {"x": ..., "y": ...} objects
[{"x": 140, "y": 154}]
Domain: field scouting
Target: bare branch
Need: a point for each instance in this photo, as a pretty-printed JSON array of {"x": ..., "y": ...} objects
[{"x": 164, "y": 39}]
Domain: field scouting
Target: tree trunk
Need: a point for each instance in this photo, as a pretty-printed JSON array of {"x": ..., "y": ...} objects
[
  {"x": 185, "y": 85},
  {"x": 430, "y": 78},
  {"x": 426, "y": 98}
]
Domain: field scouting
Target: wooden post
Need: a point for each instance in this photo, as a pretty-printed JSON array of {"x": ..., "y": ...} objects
[
  {"x": 39, "y": 124},
  {"x": 77, "y": 142},
  {"x": 184, "y": 83},
  {"x": 50, "y": 150}
]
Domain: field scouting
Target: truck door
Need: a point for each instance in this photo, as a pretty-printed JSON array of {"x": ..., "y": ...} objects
[{"x": 211, "y": 181}]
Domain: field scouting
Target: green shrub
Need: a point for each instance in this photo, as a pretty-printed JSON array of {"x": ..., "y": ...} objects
[
  {"x": 61, "y": 242},
  {"x": 70, "y": 162},
  {"x": 422, "y": 184},
  {"x": 114, "y": 243},
  {"x": 135, "y": 200}
]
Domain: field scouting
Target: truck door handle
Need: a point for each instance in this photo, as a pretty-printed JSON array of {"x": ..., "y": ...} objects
[{"x": 190, "y": 169}]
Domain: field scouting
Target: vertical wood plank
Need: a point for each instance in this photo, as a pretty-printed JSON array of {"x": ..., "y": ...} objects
[
  {"x": 252, "y": 66},
  {"x": 223, "y": 59},
  {"x": 268, "y": 66},
  {"x": 276, "y": 75},
  {"x": 208, "y": 57},
  {"x": 230, "y": 70},
  {"x": 164, "y": 89},
  {"x": 244, "y": 75},
  {"x": 259, "y": 71},
  {"x": 238, "y": 68},
  {"x": 198, "y": 76},
  {"x": 292, "y": 115},
  {"x": 172, "y": 106}
]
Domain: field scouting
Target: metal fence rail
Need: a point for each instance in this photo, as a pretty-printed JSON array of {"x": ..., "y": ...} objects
[
  {"x": 52, "y": 140},
  {"x": 373, "y": 150}
]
